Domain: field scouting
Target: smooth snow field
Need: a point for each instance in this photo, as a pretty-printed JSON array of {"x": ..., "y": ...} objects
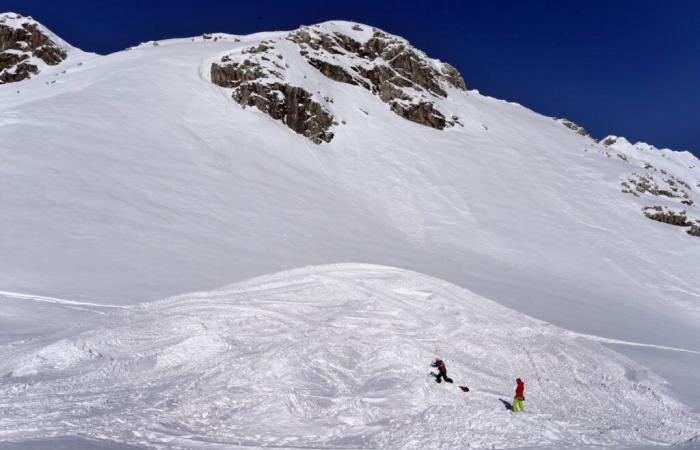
[{"x": 332, "y": 356}]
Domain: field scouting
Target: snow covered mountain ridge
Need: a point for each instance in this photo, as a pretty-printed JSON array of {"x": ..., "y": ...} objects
[{"x": 272, "y": 76}]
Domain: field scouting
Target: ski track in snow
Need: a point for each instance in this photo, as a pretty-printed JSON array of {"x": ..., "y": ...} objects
[
  {"x": 333, "y": 357},
  {"x": 634, "y": 344},
  {"x": 41, "y": 298}
]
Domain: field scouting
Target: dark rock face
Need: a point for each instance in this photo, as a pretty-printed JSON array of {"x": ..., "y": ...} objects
[
  {"x": 294, "y": 108},
  {"x": 233, "y": 75},
  {"x": 332, "y": 71},
  {"x": 18, "y": 44},
  {"x": 423, "y": 113},
  {"x": 263, "y": 87},
  {"x": 409, "y": 82}
]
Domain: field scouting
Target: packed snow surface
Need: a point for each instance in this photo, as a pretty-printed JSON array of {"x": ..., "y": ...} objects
[{"x": 331, "y": 356}]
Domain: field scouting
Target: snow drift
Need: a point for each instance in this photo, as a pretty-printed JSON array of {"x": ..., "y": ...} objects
[{"x": 333, "y": 356}]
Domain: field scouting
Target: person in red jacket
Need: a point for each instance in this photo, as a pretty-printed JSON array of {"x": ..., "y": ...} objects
[
  {"x": 440, "y": 364},
  {"x": 519, "y": 395}
]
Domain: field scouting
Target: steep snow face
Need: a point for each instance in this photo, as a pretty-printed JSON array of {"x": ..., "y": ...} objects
[
  {"x": 333, "y": 356},
  {"x": 27, "y": 48},
  {"x": 132, "y": 177}
]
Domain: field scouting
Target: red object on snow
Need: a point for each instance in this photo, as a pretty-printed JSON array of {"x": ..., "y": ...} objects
[{"x": 520, "y": 389}]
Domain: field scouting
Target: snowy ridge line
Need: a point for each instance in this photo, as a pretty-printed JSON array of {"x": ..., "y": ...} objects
[
  {"x": 605, "y": 340},
  {"x": 41, "y": 298}
]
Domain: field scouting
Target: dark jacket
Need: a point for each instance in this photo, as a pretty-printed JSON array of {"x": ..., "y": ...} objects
[{"x": 440, "y": 366}]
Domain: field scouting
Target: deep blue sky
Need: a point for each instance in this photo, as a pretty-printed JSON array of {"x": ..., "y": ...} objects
[{"x": 630, "y": 68}]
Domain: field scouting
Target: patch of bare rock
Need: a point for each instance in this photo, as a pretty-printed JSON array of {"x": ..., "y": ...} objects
[
  {"x": 673, "y": 216},
  {"x": 574, "y": 127}
]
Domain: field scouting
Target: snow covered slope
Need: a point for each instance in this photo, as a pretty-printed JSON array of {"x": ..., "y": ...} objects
[
  {"x": 333, "y": 356},
  {"x": 132, "y": 177}
]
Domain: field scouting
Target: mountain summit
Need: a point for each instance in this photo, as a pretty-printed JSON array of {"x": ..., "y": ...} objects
[{"x": 278, "y": 77}]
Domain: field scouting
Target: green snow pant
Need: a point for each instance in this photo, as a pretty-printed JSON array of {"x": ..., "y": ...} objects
[{"x": 518, "y": 403}]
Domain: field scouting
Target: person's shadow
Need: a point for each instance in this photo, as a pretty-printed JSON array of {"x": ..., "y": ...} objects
[{"x": 508, "y": 405}]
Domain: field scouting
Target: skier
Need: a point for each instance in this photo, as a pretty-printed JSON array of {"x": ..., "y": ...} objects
[
  {"x": 519, "y": 395},
  {"x": 442, "y": 371}
]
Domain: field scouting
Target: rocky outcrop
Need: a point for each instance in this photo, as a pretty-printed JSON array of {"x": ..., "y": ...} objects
[
  {"x": 294, "y": 107},
  {"x": 22, "y": 43},
  {"x": 609, "y": 140},
  {"x": 694, "y": 229},
  {"x": 262, "y": 86},
  {"x": 409, "y": 82},
  {"x": 666, "y": 215},
  {"x": 423, "y": 113},
  {"x": 572, "y": 126},
  {"x": 388, "y": 66},
  {"x": 673, "y": 217}
]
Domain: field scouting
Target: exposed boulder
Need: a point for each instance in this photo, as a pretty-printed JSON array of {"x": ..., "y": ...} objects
[
  {"x": 673, "y": 217},
  {"x": 694, "y": 229},
  {"x": 609, "y": 140},
  {"x": 667, "y": 215},
  {"x": 572, "y": 126},
  {"x": 23, "y": 43},
  {"x": 424, "y": 113}
]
